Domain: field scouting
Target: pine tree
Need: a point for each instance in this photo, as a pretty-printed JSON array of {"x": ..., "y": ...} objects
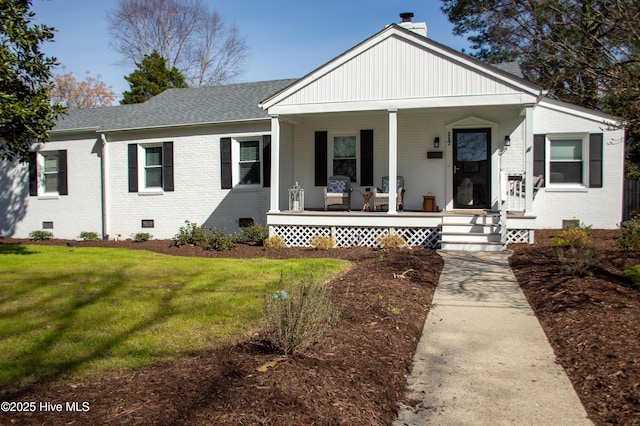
[{"x": 151, "y": 78}]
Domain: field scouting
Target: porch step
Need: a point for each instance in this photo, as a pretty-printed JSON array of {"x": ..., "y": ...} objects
[{"x": 473, "y": 232}]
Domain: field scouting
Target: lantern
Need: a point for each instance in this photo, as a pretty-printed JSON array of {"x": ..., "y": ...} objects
[{"x": 296, "y": 198}]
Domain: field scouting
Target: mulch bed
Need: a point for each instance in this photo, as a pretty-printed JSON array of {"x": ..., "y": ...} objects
[{"x": 358, "y": 374}]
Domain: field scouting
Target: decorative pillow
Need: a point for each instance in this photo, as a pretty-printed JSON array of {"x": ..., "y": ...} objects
[
  {"x": 337, "y": 186},
  {"x": 385, "y": 185}
]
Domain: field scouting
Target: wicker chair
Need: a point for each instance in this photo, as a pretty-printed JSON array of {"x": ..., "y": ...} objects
[
  {"x": 381, "y": 196},
  {"x": 338, "y": 192}
]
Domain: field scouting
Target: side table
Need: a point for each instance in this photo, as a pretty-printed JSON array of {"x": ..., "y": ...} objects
[{"x": 366, "y": 197}]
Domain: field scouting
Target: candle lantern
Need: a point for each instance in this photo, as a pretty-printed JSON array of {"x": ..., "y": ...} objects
[{"x": 296, "y": 198}]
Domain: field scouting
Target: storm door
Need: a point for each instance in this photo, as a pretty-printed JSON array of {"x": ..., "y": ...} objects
[{"x": 471, "y": 168}]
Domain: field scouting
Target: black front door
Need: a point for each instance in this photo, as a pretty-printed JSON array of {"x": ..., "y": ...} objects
[{"x": 471, "y": 168}]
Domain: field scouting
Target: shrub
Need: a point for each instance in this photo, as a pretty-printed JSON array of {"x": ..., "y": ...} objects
[
  {"x": 218, "y": 240},
  {"x": 40, "y": 235},
  {"x": 276, "y": 242},
  {"x": 320, "y": 242},
  {"x": 89, "y": 236},
  {"x": 391, "y": 241},
  {"x": 255, "y": 232},
  {"x": 142, "y": 237},
  {"x": 634, "y": 274},
  {"x": 298, "y": 311},
  {"x": 574, "y": 248},
  {"x": 630, "y": 238},
  {"x": 190, "y": 234}
]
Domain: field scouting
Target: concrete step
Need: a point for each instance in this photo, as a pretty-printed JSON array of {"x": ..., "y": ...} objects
[
  {"x": 466, "y": 246},
  {"x": 471, "y": 219},
  {"x": 471, "y": 237}
]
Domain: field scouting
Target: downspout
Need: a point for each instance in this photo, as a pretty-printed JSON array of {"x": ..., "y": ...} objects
[{"x": 104, "y": 185}]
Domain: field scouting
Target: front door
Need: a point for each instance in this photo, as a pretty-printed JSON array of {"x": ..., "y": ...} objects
[{"x": 471, "y": 168}]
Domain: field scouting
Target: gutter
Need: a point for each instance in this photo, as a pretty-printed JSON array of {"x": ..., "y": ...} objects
[{"x": 103, "y": 188}]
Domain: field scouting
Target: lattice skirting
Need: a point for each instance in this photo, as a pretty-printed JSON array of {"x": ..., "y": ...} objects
[
  {"x": 351, "y": 236},
  {"x": 520, "y": 236}
]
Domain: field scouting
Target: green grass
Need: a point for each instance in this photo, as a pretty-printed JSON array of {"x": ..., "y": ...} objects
[{"x": 84, "y": 310}]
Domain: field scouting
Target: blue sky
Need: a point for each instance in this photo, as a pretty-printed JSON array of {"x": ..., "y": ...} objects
[{"x": 286, "y": 38}]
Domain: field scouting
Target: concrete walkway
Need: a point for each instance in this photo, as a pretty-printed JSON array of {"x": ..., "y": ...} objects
[{"x": 483, "y": 358}]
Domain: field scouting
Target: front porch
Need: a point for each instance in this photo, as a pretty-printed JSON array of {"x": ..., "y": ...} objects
[{"x": 459, "y": 229}]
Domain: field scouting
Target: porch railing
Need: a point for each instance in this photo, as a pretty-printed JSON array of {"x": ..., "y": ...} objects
[{"x": 514, "y": 187}]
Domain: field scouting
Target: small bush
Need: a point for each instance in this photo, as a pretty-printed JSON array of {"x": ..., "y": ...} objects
[
  {"x": 40, "y": 235},
  {"x": 634, "y": 274},
  {"x": 256, "y": 232},
  {"x": 142, "y": 237},
  {"x": 190, "y": 234},
  {"x": 630, "y": 238},
  {"x": 89, "y": 236},
  {"x": 574, "y": 249},
  {"x": 391, "y": 241},
  {"x": 298, "y": 311},
  {"x": 320, "y": 242},
  {"x": 219, "y": 240},
  {"x": 276, "y": 242}
]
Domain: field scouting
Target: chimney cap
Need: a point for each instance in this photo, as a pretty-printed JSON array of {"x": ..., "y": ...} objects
[{"x": 406, "y": 16}]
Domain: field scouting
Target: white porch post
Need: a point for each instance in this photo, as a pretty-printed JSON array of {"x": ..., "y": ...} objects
[
  {"x": 274, "y": 198},
  {"x": 528, "y": 156},
  {"x": 393, "y": 159}
]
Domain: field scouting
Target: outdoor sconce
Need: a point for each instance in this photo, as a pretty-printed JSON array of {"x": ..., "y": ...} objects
[
  {"x": 507, "y": 140},
  {"x": 296, "y": 198},
  {"x": 436, "y": 142}
]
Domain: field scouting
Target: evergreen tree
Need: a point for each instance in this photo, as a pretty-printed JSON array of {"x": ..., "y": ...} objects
[
  {"x": 151, "y": 78},
  {"x": 26, "y": 114}
]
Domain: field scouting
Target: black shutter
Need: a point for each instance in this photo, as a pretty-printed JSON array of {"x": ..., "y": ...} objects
[
  {"x": 321, "y": 158},
  {"x": 167, "y": 166},
  {"x": 225, "y": 163},
  {"x": 33, "y": 173},
  {"x": 366, "y": 157},
  {"x": 133, "y": 167},
  {"x": 539, "y": 142},
  {"x": 63, "y": 188},
  {"x": 266, "y": 161},
  {"x": 595, "y": 160}
]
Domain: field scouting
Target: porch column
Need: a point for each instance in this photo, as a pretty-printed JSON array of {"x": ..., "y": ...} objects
[
  {"x": 393, "y": 159},
  {"x": 274, "y": 197},
  {"x": 528, "y": 158}
]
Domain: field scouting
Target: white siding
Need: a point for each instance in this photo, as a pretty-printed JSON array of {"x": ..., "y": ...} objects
[{"x": 71, "y": 214}]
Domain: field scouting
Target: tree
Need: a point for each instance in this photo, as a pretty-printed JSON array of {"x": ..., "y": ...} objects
[
  {"x": 90, "y": 93},
  {"x": 26, "y": 115},
  {"x": 186, "y": 33},
  {"x": 586, "y": 52},
  {"x": 151, "y": 78}
]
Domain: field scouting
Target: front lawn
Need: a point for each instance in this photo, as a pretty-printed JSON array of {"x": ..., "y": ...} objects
[{"x": 70, "y": 310}]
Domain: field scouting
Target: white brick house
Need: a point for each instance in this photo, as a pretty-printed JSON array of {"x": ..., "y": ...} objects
[{"x": 500, "y": 158}]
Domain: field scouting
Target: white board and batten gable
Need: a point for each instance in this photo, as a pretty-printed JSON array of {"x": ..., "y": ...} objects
[{"x": 398, "y": 69}]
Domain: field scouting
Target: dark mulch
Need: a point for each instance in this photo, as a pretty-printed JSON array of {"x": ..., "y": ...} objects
[
  {"x": 358, "y": 375},
  {"x": 592, "y": 322}
]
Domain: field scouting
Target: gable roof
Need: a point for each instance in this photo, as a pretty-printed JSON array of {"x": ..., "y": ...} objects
[
  {"x": 398, "y": 64},
  {"x": 178, "y": 107}
]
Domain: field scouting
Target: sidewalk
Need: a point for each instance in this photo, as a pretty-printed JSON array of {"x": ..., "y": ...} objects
[{"x": 483, "y": 358}]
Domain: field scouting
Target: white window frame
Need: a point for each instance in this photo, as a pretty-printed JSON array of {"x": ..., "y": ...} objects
[
  {"x": 332, "y": 139},
  {"x": 142, "y": 169},
  {"x": 43, "y": 175},
  {"x": 584, "y": 137},
  {"x": 235, "y": 161}
]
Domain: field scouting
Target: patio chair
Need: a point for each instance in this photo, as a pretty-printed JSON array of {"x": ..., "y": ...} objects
[
  {"x": 381, "y": 196},
  {"x": 338, "y": 192}
]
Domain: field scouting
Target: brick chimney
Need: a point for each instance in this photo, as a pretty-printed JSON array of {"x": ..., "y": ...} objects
[{"x": 416, "y": 27}]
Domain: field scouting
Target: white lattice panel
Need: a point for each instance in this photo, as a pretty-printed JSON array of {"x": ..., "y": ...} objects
[
  {"x": 299, "y": 236},
  {"x": 515, "y": 236},
  {"x": 358, "y": 236},
  {"x": 420, "y": 237}
]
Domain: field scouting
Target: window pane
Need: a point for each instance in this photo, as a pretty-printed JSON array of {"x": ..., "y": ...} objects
[
  {"x": 153, "y": 156},
  {"x": 249, "y": 173},
  {"x": 50, "y": 163},
  {"x": 345, "y": 168},
  {"x": 566, "y": 150},
  {"x": 153, "y": 177},
  {"x": 566, "y": 172},
  {"x": 51, "y": 182},
  {"x": 344, "y": 147},
  {"x": 250, "y": 151}
]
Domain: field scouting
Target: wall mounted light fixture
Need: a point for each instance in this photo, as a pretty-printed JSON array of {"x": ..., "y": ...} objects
[
  {"x": 436, "y": 142},
  {"x": 507, "y": 140}
]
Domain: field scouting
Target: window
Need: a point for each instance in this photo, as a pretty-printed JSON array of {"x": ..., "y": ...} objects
[
  {"x": 344, "y": 156},
  {"x": 50, "y": 172},
  {"x": 249, "y": 162},
  {"x": 153, "y": 167},
  {"x": 566, "y": 160}
]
